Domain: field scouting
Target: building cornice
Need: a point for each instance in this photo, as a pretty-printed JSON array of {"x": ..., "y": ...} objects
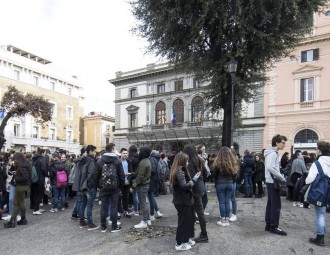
[
  {"x": 100, "y": 117},
  {"x": 315, "y": 38}
]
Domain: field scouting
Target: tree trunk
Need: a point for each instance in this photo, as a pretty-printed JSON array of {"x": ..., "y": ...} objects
[
  {"x": 226, "y": 129},
  {"x": 2, "y": 129}
]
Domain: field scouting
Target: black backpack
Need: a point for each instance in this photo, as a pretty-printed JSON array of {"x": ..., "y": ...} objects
[{"x": 109, "y": 177}]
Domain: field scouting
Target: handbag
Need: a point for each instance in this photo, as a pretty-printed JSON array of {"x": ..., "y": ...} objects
[{"x": 278, "y": 184}]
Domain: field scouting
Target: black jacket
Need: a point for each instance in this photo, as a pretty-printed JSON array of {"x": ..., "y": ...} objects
[
  {"x": 248, "y": 164},
  {"x": 110, "y": 158},
  {"x": 22, "y": 177},
  {"x": 155, "y": 168},
  {"x": 79, "y": 163},
  {"x": 40, "y": 163},
  {"x": 88, "y": 174},
  {"x": 259, "y": 174},
  {"x": 182, "y": 189}
]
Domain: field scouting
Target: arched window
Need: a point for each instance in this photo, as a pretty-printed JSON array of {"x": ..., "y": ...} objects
[
  {"x": 178, "y": 110},
  {"x": 197, "y": 109},
  {"x": 306, "y": 136},
  {"x": 160, "y": 113}
]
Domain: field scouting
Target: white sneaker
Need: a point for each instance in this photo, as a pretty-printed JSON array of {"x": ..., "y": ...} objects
[
  {"x": 183, "y": 247},
  {"x": 41, "y": 204},
  {"x": 233, "y": 217},
  {"x": 18, "y": 218},
  {"x": 37, "y": 213},
  {"x": 206, "y": 213},
  {"x": 149, "y": 222},
  {"x": 142, "y": 224},
  {"x": 222, "y": 223},
  {"x": 191, "y": 242},
  {"x": 159, "y": 214},
  {"x": 135, "y": 214},
  {"x": 152, "y": 217},
  {"x": 53, "y": 210},
  {"x": 8, "y": 217},
  {"x": 41, "y": 210},
  {"x": 295, "y": 203},
  {"x": 301, "y": 205}
]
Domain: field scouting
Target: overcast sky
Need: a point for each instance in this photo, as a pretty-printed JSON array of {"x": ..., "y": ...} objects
[{"x": 87, "y": 38}]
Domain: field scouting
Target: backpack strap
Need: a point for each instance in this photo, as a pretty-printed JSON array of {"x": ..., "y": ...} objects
[{"x": 319, "y": 167}]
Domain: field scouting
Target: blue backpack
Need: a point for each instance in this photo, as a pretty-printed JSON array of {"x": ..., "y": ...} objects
[{"x": 319, "y": 192}]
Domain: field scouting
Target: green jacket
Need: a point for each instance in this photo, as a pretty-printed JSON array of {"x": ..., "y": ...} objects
[{"x": 143, "y": 173}]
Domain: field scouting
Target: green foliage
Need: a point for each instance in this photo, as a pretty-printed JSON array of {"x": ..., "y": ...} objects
[{"x": 200, "y": 37}]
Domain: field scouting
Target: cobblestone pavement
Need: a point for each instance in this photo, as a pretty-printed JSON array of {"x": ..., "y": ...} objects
[{"x": 56, "y": 233}]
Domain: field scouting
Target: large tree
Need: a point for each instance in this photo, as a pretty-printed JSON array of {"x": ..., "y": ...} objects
[
  {"x": 16, "y": 103},
  {"x": 201, "y": 36}
]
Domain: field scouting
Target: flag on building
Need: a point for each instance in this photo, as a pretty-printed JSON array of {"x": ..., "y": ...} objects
[{"x": 173, "y": 118}]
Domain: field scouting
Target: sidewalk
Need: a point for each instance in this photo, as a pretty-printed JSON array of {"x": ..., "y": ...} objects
[{"x": 56, "y": 233}]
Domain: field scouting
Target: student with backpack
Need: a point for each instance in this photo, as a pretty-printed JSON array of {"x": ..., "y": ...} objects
[
  {"x": 314, "y": 175},
  {"x": 111, "y": 179},
  {"x": 59, "y": 182}
]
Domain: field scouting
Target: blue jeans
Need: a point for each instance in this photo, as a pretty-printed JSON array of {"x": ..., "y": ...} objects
[
  {"x": 135, "y": 200},
  {"x": 58, "y": 192},
  {"x": 153, "y": 203},
  {"x": 11, "y": 199},
  {"x": 233, "y": 200},
  {"x": 142, "y": 193},
  {"x": 224, "y": 191},
  {"x": 320, "y": 213},
  {"x": 247, "y": 183},
  {"x": 76, "y": 209},
  {"x": 87, "y": 201}
]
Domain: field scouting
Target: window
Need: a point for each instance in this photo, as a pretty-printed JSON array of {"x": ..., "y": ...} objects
[
  {"x": 160, "y": 88},
  {"x": 17, "y": 75},
  {"x": 52, "y": 134},
  {"x": 132, "y": 118},
  {"x": 113, "y": 128},
  {"x": 69, "y": 91},
  {"x": 35, "y": 80},
  {"x": 160, "y": 113},
  {"x": 107, "y": 140},
  {"x": 53, "y": 110},
  {"x": 52, "y": 85},
  {"x": 16, "y": 130},
  {"x": 69, "y": 136},
  {"x": 132, "y": 93},
  {"x": 309, "y": 55},
  {"x": 69, "y": 114},
  {"x": 178, "y": 110},
  {"x": 306, "y": 136},
  {"x": 178, "y": 85},
  {"x": 197, "y": 83},
  {"x": 306, "y": 89},
  {"x": 35, "y": 132},
  {"x": 197, "y": 109}
]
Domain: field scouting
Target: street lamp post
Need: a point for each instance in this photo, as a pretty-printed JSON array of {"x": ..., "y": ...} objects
[{"x": 232, "y": 67}]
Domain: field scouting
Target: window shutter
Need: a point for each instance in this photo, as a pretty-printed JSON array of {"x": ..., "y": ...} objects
[
  {"x": 303, "y": 56},
  {"x": 302, "y": 90},
  {"x": 316, "y": 54}
]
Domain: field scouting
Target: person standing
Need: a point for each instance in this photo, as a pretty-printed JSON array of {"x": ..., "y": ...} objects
[
  {"x": 125, "y": 188},
  {"x": 111, "y": 178},
  {"x": 142, "y": 185},
  {"x": 248, "y": 169},
  {"x": 201, "y": 151},
  {"x": 323, "y": 153},
  {"x": 154, "y": 184},
  {"x": 298, "y": 169},
  {"x": 272, "y": 170},
  {"x": 88, "y": 188},
  {"x": 21, "y": 169},
  {"x": 259, "y": 174},
  {"x": 183, "y": 200},
  {"x": 37, "y": 189},
  {"x": 196, "y": 165},
  {"x": 225, "y": 172},
  {"x": 133, "y": 159}
]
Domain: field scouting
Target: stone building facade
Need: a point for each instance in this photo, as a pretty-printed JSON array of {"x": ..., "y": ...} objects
[
  {"x": 31, "y": 73},
  {"x": 297, "y": 95},
  {"x": 98, "y": 130},
  {"x": 159, "y": 107}
]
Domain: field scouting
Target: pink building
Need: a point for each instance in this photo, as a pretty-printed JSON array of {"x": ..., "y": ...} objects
[{"x": 297, "y": 95}]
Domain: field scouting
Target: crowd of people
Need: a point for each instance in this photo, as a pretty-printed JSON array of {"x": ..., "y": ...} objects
[{"x": 133, "y": 178}]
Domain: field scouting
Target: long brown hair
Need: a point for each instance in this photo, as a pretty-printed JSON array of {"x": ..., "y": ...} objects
[
  {"x": 179, "y": 162},
  {"x": 226, "y": 161},
  {"x": 20, "y": 162}
]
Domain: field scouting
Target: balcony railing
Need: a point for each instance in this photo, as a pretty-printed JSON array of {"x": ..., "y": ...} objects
[{"x": 306, "y": 104}]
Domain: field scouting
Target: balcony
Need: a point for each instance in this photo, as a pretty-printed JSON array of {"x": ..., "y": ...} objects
[
  {"x": 306, "y": 105},
  {"x": 195, "y": 124},
  {"x": 159, "y": 126},
  {"x": 133, "y": 129}
]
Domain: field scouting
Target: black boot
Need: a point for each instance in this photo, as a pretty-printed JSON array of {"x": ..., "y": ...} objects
[
  {"x": 203, "y": 238},
  {"x": 23, "y": 221},
  {"x": 319, "y": 240},
  {"x": 10, "y": 224}
]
